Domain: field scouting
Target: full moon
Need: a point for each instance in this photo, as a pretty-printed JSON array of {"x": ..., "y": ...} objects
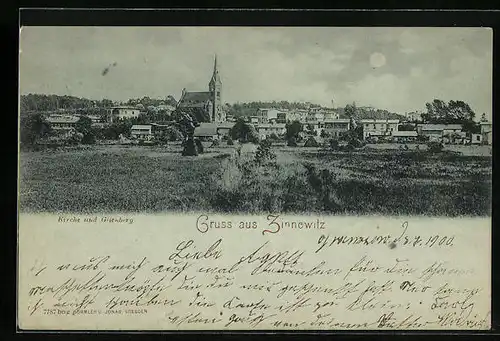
[{"x": 377, "y": 60}]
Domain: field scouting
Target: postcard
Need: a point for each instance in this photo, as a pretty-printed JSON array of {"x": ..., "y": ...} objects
[{"x": 255, "y": 178}]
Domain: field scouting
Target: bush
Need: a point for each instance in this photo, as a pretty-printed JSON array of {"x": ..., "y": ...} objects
[
  {"x": 215, "y": 143},
  {"x": 356, "y": 143},
  {"x": 189, "y": 148},
  {"x": 230, "y": 141},
  {"x": 435, "y": 147},
  {"x": 199, "y": 146},
  {"x": 264, "y": 152},
  {"x": 334, "y": 144},
  {"x": 291, "y": 142}
]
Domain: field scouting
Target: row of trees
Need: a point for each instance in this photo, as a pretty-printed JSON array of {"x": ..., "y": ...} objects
[
  {"x": 38, "y": 102},
  {"x": 453, "y": 112}
]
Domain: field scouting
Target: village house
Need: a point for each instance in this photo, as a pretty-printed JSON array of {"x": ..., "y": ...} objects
[
  {"x": 297, "y": 115},
  {"x": 208, "y": 131},
  {"x": 404, "y": 136},
  {"x": 335, "y": 127},
  {"x": 378, "y": 127},
  {"x": 62, "y": 122},
  {"x": 315, "y": 117},
  {"x": 436, "y": 132},
  {"x": 142, "y": 131},
  {"x": 476, "y": 139},
  {"x": 209, "y": 101},
  {"x": 268, "y": 115},
  {"x": 265, "y": 130},
  {"x": 486, "y": 132},
  {"x": 123, "y": 112}
]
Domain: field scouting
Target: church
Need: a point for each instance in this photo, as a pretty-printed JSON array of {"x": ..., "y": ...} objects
[{"x": 209, "y": 102}]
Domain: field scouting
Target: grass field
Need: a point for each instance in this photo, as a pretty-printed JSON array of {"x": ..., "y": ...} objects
[{"x": 159, "y": 179}]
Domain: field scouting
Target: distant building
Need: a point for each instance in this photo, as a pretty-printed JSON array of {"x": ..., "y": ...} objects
[
  {"x": 267, "y": 129},
  {"x": 436, "y": 132},
  {"x": 123, "y": 112},
  {"x": 378, "y": 128},
  {"x": 336, "y": 127},
  {"x": 253, "y": 119},
  {"x": 315, "y": 116},
  {"x": 297, "y": 115},
  {"x": 486, "y": 133},
  {"x": 268, "y": 115},
  {"x": 142, "y": 131},
  {"x": 208, "y": 130},
  {"x": 209, "y": 101},
  {"x": 404, "y": 136},
  {"x": 62, "y": 122},
  {"x": 476, "y": 138}
]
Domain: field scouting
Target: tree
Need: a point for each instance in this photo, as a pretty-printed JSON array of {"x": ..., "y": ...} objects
[
  {"x": 84, "y": 126},
  {"x": 440, "y": 112},
  {"x": 293, "y": 130},
  {"x": 483, "y": 118},
  {"x": 351, "y": 110},
  {"x": 244, "y": 132},
  {"x": 32, "y": 128}
]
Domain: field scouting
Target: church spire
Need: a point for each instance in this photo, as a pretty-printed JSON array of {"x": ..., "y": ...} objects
[{"x": 215, "y": 75}]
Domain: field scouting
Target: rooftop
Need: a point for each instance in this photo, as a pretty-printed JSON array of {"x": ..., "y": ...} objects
[
  {"x": 426, "y": 126},
  {"x": 62, "y": 119},
  {"x": 190, "y": 98}
]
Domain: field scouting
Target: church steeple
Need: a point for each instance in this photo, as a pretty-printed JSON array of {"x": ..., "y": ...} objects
[
  {"x": 215, "y": 88},
  {"x": 215, "y": 76}
]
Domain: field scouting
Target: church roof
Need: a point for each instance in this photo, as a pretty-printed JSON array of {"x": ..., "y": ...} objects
[{"x": 193, "y": 99}]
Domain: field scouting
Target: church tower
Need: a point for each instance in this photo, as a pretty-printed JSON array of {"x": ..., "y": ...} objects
[{"x": 215, "y": 88}]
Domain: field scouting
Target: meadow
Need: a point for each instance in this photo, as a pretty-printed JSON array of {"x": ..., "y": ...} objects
[{"x": 296, "y": 180}]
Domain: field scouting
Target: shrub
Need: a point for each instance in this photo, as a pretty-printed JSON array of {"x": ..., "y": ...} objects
[
  {"x": 230, "y": 141},
  {"x": 199, "y": 146},
  {"x": 356, "y": 143},
  {"x": 264, "y": 152},
  {"x": 215, "y": 143},
  {"x": 189, "y": 148},
  {"x": 435, "y": 147},
  {"x": 334, "y": 144},
  {"x": 291, "y": 142}
]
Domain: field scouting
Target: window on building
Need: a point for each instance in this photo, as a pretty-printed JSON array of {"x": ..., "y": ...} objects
[
  {"x": 478, "y": 138},
  {"x": 374, "y": 126}
]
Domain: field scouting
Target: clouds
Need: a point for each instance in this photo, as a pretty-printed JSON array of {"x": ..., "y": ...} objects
[{"x": 264, "y": 63}]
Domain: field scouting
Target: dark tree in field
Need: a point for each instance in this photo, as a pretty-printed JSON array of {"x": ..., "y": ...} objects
[
  {"x": 188, "y": 125},
  {"x": 291, "y": 142},
  {"x": 84, "y": 126},
  {"x": 189, "y": 148},
  {"x": 244, "y": 132},
  {"x": 32, "y": 128},
  {"x": 293, "y": 130},
  {"x": 439, "y": 111}
]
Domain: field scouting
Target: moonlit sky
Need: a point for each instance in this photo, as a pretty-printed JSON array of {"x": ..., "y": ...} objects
[{"x": 398, "y": 69}]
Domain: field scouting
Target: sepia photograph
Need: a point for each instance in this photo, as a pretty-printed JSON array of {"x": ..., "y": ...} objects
[
  {"x": 338, "y": 121},
  {"x": 255, "y": 178}
]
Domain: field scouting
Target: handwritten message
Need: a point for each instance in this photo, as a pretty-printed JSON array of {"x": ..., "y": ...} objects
[{"x": 168, "y": 273}]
